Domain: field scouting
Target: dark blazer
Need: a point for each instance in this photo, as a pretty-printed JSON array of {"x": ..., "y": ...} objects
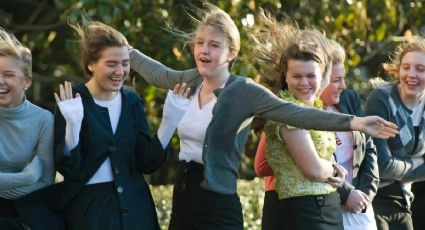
[
  {"x": 132, "y": 153},
  {"x": 365, "y": 164}
]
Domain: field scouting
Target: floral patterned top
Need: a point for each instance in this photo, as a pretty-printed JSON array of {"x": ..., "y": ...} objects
[{"x": 290, "y": 182}]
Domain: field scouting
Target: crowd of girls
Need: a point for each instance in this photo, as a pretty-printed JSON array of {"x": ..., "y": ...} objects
[{"x": 327, "y": 164}]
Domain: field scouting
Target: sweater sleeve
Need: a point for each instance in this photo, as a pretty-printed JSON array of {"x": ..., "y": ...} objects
[
  {"x": 159, "y": 75},
  {"x": 390, "y": 167},
  {"x": 44, "y": 153},
  {"x": 369, "y": 173},
  {"x": 261, "y": 166},
  {"x": 269, "y": 106},
  {"x": 28, "y": 176}
]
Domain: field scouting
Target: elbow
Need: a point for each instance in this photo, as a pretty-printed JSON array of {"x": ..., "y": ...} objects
[{"x": 315, "y": 174}]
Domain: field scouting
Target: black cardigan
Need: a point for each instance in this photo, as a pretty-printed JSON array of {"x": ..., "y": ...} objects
[
  {"x": 365, "y": 165},
  {"x": 132, "y": 153}
]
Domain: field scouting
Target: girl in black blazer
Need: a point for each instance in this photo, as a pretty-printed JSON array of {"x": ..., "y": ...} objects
[{"x": 103, "y": 144}]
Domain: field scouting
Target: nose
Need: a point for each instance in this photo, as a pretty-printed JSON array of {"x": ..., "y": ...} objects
[
  {"x": 303, "y": 81},
  {"x": 342, "y": 85},
  {"x": 204, "y": 48},
  {"x": 411, "y": 72},
  {"x": 119, "y": 70}
]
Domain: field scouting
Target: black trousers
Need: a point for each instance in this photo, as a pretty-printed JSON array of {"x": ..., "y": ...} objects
[
  {"x": 9, "y": 219},
  {"x": 392, "y": 214},
  {"x": 197, "y": 208},
  {"x": 418, "y": 205},
  {"x": 319, "y": 212},
  {"x": 270, "y": 218},
  {"x": 96, "y": 207}
]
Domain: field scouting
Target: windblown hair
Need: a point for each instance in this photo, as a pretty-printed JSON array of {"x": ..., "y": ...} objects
[
  {"x": 412, "y": 44},
  {"x": 337, "y": 52},
  {"x": 10, "y": 46},
  {"x": 213, "y": 16},
  {"x": 94, "y": 38},
  {"x": 277, "y": 43},
  {"x": 415, "y": 43}
]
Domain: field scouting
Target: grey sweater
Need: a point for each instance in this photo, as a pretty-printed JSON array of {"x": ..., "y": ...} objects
[
  {"x": 26, "y": 150},
  {"x": 394, "y": 154},
  {"x": 237, "y": 103}
]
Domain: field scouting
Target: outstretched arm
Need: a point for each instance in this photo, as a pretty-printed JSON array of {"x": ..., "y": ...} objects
[
  {"x": 269, "y": 106},
  {"x": 159, "y": 75}
]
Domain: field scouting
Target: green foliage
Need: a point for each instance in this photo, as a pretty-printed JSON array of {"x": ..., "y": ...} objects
[{"x": 251, "y": 195}]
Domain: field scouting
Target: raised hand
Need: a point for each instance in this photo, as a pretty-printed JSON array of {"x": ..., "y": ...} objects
[
  {"x": 181, "y": 90},
  {"x": 65, "y": 92}
]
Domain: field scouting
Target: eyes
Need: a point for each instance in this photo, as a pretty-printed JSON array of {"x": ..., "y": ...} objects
[
  {"x": 112, "y": 64},
  {"x": 8, "y": 75},
  {"x": 213, "y": 44},
  {"x": 309, "y": 76},
  {"x": 418, "y": 68}
]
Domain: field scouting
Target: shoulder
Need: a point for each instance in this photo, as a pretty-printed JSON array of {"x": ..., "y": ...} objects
[
  {"x": 131, "y": 95},
  {"x": 40, "y": 113},
  {"x": 382, "y": 91},
  {"x": 349, "y": 94}
]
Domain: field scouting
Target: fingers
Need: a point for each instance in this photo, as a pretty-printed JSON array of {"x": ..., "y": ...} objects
[
  {"x": 57, "y": 99},
  {"x": 181, "y": 90},
  {"x": 335, "y": 182},
  {"x": 341, "y": 172},
  {"x": 65, "y": 92},
  {"x": 176, "y": 89},
  {"x": 388, "y": 129}
]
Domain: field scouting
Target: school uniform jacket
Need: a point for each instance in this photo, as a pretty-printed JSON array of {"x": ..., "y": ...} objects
[
  {"x": 365, "y": 165},
  {"x": 132, "y": 153}
]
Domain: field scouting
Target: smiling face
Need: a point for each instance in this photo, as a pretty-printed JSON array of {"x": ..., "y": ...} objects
[
  {"x": 13, "y": 82},
  {"x": 211, "y": 52},
  {"x": 109, "y": 72},
  {"x": 412, "y": 75},
  {"x": 331, "y": 94},
  {"x": 303, "y": 79}
]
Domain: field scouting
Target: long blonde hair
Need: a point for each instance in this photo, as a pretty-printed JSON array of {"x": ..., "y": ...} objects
[
  {"x": 211, "y": 15},
  {"x": 414, "y": 43}
]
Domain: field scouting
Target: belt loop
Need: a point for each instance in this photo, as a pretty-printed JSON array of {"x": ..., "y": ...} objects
[{"x": 321, "y": 201}]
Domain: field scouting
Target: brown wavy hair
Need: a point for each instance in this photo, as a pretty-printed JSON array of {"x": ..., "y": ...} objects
[{"x": 94, "y": 38}]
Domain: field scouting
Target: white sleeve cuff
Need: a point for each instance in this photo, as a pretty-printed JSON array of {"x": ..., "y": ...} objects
[
  {"x": 174, "y": 109},
  {"x": 73, "y": 113}
]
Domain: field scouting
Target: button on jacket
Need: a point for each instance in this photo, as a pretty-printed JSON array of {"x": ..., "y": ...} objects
[{"x": 132, "y": 153}]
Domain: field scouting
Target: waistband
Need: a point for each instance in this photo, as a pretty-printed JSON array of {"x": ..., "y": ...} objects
[{"x": 319, "y": 200}]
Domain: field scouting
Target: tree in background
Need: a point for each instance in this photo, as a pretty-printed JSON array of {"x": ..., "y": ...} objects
[{"x": 368, "y": 30}]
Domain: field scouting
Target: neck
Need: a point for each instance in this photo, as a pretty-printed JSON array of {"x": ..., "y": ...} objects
[
  {"x": 410, "y": 101},
  {"x": 99, "y": 93},
  {"x": 309, "y": 103},
  {"x": 210, "y": 84}
]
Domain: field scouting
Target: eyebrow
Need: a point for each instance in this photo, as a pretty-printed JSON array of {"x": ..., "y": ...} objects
[{"x": 114, "y": 62}]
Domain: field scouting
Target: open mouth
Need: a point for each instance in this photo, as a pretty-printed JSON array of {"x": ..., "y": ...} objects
[
  {"x": 409, "y": 83},
  {"x": 4, "y": 91},
  {"x": 204, "y": 60},
  {"x": 117, "y": 79}
]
